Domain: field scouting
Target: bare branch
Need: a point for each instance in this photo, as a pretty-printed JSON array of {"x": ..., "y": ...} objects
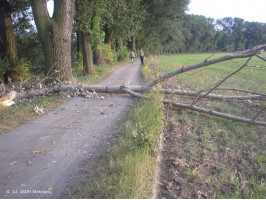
[
  {"x": 220, "y": 82},
  {"x": 241, "y": 90},
  {"x": 260, "y": 57},
  {"x": 132, "y": 93},
  {"x": 213, "y": 96},
  {"x": 212, "y": 112},
  {"x": 242, "y": 54}
]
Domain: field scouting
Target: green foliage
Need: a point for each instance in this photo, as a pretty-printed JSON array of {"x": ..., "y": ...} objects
[
  {"x": 78, "y": 67},
  {"x": 146, "y": 122},
  {"x": 90, "y": 19},
  {"x": 125, "y": 18},
  {"x": 162, "y": 26},
  {"x": 22, "y": 69},
  {"x": 108, "y": 54},
  {"x": 126, "y": 52}
]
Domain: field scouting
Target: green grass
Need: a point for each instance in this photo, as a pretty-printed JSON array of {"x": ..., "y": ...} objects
[
  {"x": 235, "y": 151},
  {"x": 129, "y": 172},
  {"x": 248, "y": 78},
  {"x": 13, "y": 116}
]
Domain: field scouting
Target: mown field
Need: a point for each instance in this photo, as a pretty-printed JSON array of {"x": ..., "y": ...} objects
[{"x": 205, "y": 156}]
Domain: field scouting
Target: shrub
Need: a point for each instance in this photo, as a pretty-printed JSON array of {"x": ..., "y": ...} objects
[
  {"x": 22, "y": 69},
  {"x": 126, "y": 52},
  {"x": 108, "y": 54},
  {"x": 78, "y": 66}
]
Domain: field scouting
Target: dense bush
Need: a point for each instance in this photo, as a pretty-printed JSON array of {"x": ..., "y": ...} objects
[{"x": 108, "y": 54}]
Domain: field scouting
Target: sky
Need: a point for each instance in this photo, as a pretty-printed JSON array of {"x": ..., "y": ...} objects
[{"x": 249, "y": 10}]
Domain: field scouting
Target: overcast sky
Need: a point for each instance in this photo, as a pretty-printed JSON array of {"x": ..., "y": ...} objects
[{"x": 249, "y": 10}]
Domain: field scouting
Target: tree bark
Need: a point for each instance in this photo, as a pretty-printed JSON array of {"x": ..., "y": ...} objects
[
  {"x": 212, "y": 112},
  {"x": 98, "y": 56},
  {"x": 121, "y": 52},
  {"x": 133, "y": 44},
  {"x": 79, "y": 44},
  {"x": 87, "y": 54},
  {"x": 109, "y": 38},
  {"x": 8, "y": 46},
  {"x": 55, "y": 36}
]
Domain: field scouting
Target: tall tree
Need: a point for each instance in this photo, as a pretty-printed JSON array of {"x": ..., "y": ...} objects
[
  {"x": 162, "y": 26},
  {"x": 124, "y": 20},
  {"x": 89, "y": 24},
  {"x": 233, "y": 29},
  {"x": 55, "y": 35},
  {"x": 199, "y": 34},
  {"x": 83, "y": 19},
  {"x": 8, "y": 47},
  {"x": 255, "y": 34}
]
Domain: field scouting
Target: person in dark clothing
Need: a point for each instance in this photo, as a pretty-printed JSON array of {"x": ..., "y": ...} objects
[{"x": 141, "y": 55}]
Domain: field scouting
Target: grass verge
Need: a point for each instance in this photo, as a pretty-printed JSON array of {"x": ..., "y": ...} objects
[
  {"x": 14, "y": 116},
  {"x": 129, "y": 172}
]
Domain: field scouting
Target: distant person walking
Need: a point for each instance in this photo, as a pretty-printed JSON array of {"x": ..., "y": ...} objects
[
  {"x": 141, "y": 55},
  {"x": 132, "y": 55}
]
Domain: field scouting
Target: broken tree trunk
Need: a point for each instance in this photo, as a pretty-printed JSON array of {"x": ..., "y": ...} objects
[
  {"x": 212, "y": 112},
  {"x": 135, "y": 90},
  {"x": 7, "y": 100}
]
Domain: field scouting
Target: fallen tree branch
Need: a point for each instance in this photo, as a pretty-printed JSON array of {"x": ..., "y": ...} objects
[
  {"x": 129, "y": 90},
  {"x": 260, "y": 57},
  {"x": 212, "y": 112},
  {"x": 90, "y": 88},
  {"x": 220, "y": 82},
  {"x": 241, "y": 90},
  {"x": 132, "y": 93},
  {"x": 135, "y": 90},
  {"x": 242, "y": 54},
  {"x": 213, "y": 96},
  {"x": 7, "y": 100}
]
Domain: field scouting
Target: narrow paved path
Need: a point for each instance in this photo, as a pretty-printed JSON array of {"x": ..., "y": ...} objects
[{"x": 38, "y": 159}]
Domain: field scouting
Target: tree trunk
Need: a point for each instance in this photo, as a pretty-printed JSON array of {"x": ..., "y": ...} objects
[
  {"x": 133, "y": 44},
  {"x": 121, "y": 52},
  {"x": 98, "y": 56},
  {"x": 87, "y": 54},
  {"x": 8, "y": 47},
  {"x": 55, "y": 36},
  {"x": 79, "y": 44},
  {"x": 109, "y": 39}
]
